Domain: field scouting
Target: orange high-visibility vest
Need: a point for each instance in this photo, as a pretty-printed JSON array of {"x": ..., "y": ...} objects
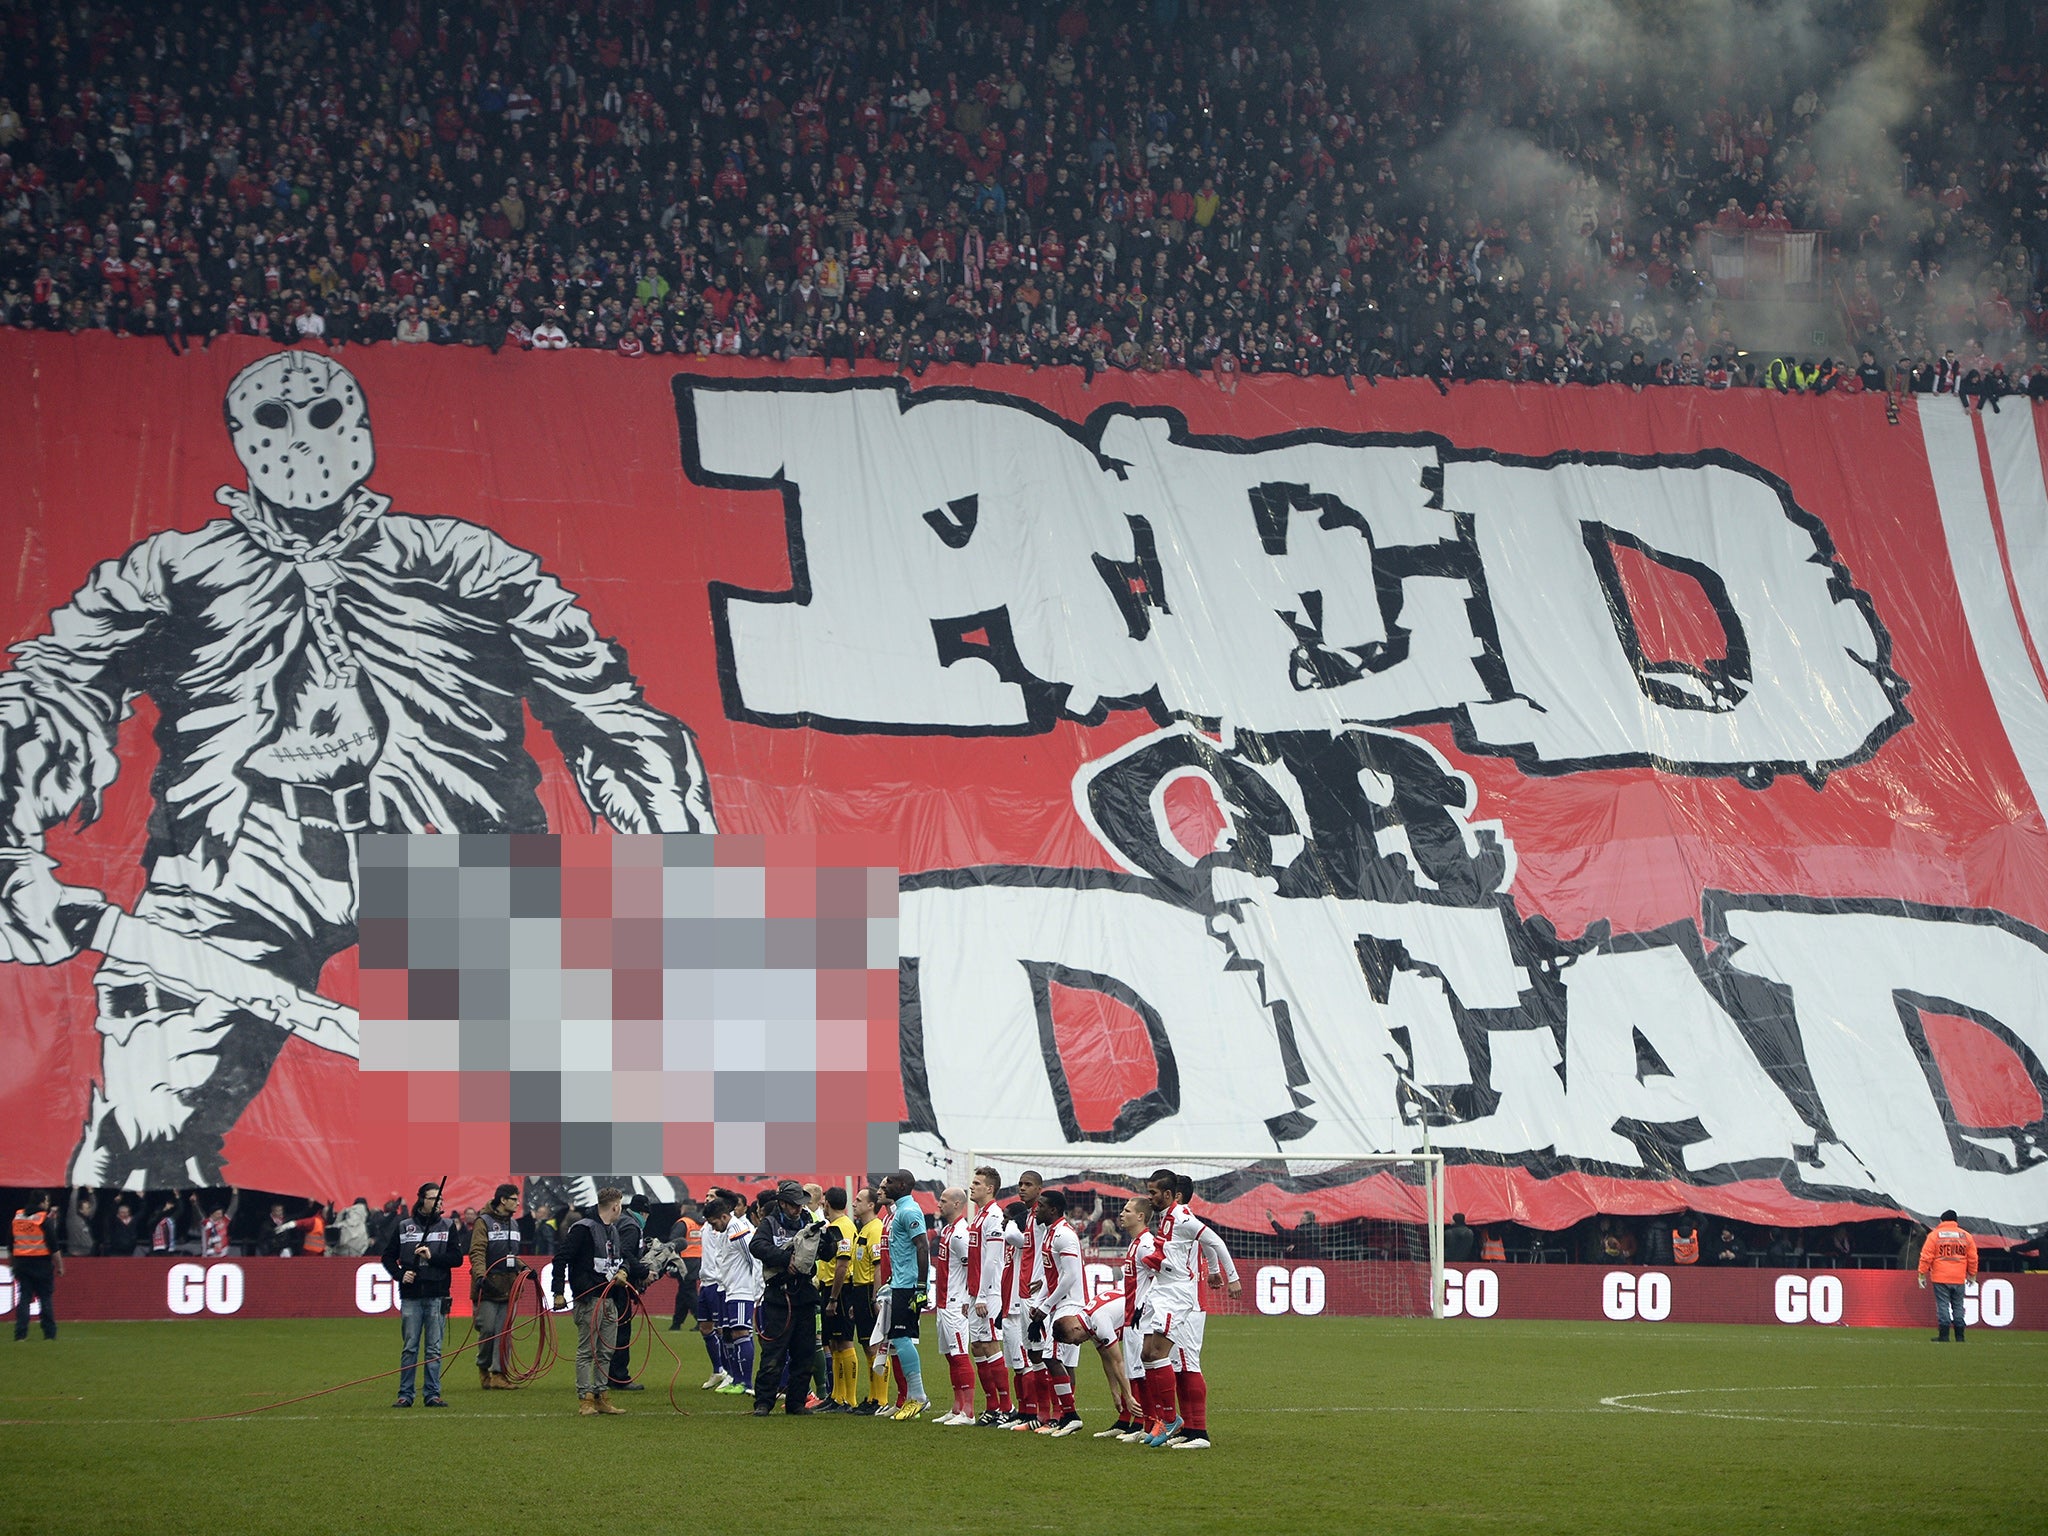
[
  {"x": 1685, "y": 1250},
  {"x": 31, "y": 1240},
  {"x": 1492, "y": 1250}
]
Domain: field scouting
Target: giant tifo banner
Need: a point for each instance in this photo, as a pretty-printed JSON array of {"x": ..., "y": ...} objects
[{"x": 1634, "y": 797}]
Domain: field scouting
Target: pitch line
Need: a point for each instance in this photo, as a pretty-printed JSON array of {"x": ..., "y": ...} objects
[{"x": 1626, "y": 1402}]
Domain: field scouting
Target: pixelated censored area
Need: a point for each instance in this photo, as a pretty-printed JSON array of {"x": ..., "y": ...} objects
[{"x": 568, "y": 1004}]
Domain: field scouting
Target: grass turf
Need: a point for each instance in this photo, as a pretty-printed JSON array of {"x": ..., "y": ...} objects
[{"x": 1322, "y": 1424}]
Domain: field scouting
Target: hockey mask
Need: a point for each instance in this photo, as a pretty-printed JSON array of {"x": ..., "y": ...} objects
[{"x": 301, "y": 428}]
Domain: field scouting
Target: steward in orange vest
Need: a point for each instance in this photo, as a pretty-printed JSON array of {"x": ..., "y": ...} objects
[
  {"x": 36, "y": 1264},
  {"x": 1949, "y": 1258},
  {"x": 1685, "y": 1244}
]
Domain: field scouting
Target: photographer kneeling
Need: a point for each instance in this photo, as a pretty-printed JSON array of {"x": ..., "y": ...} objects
[{"x": 788, "y": 1244}]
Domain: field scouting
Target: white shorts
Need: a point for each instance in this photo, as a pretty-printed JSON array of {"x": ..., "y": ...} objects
[
  {"x": 1186, "y": 1337},
  {"x": 1182, "y": 1326},
  {"x": 1106, "y": 1319},
  {"x": 952, "y": 1332},
  {"x": 879, "y": 1334},
  {"x": 1134, "y": 1354},
  {"x": 980, "y": 1330},
  {"x": 1013, "y": 1340}
]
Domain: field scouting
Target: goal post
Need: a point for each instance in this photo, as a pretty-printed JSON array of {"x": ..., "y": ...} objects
[{"x": 1385, "y": 1209}]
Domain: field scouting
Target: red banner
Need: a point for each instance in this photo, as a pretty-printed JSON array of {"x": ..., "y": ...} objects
[
  {"x": 1633, "y": 797},
  {"x": 106, "y": 1290}
]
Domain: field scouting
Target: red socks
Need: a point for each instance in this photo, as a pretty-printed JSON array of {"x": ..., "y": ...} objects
[
  {"x": 1159, "y": 1387},
  {"x": 1062, "y": 1396},
  {"x": 960, "y": 1370},
  {"x": 902, "y": 1386},
  {"x": 1194, "y": 1400},
  {"x": 1038, "y": 1396},
  {"x": 995, "y": 1389}
]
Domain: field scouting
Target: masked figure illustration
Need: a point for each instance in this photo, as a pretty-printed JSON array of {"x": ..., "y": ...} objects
[{"x": 321, "y": 665}]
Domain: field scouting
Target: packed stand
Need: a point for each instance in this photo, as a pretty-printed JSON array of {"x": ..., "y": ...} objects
[{"x": 1228, "y": 188}]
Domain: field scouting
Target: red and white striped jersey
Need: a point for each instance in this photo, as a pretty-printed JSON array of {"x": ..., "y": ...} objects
[
  {"x": 1027, "y": 1263},
  {"x": 955, "y": 1243},
  {"x": 1137, "y": 1274},
  {"x": 987, "y": 1270},
  {"x": 1063, "y": 1282},
  {"x": 213, "y": 1236},
  {"x": 1185, "y": 1240}
]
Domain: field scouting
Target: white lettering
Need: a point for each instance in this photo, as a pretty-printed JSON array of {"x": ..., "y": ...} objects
[
  {"x": 1618, "y": 1295},
  {"x": 185, "y": 1287},
  {"x": 959, "y": 552},
  {"x": 1788, "y": 1298},
  {"x": 1799, "y": 684},
  {"x": 1471, "y": 1293},
  {"x": 1995, "y": 1303},
  {"x": 223, "y": 1289},
  {"x": 375, "y": 1291},
  {"x": 1824, "y": 1299},
  {"x": 1271, "y": 1291},
  {"x": 1307, "y": 1291},
  {"x": 1850, "y": 974}
]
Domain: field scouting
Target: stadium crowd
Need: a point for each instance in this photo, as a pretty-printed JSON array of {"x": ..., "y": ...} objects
[
  {"x": 222, "y": 1222},
  {"x": 1226, "y": 186}
]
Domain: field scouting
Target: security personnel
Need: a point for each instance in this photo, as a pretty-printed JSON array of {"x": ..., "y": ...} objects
[
  {"x": 425, "y": 1249},
  {"x": 787, "y": 1244},
  {"x": 632, "y": 1243},
  {"x": 1948, "y": 1258},
  {"x": 494, "y": 1270},
  {"x": 588, "y": 1267},
  {"x": 36, "y": 1265},
  {"x": 687, "y": 1238},
  {"x": 1685, "y": 1242}
]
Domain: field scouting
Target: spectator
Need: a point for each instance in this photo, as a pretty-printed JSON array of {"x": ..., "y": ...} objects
[
  {"x": 125, "y": 1237},
  {"x": 1309, "y": 203},
  {"x": 163, "y": 1233},
  {"x": 1461, "y": 1243},
  {"x": 351, "y": 1236},
  {"x": 79, "y": 1241},
  {"x": 215, "y": 1223}
]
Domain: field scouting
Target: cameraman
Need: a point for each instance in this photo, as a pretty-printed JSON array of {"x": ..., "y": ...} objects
[
  {"x": 632, "y": 1228},
  {"x": 494, "y": 1270},
  {"x": 423, "y": 1250},
  {"x": 788, "y": 1245}
]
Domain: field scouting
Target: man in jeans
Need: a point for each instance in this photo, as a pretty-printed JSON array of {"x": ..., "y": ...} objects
[
  {"x": 1949, "y": 1258},
  {"x": 590, "y": 1267},
  {"x": 424, "y": 1250},
  {"x": 494, "y": 1269}
]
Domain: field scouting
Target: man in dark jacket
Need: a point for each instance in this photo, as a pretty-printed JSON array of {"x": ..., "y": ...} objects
[
  {"x": 494, "y": 1268},
  {"x": 424, "y": 1250},
  {"x": 632, "y": 1228},
  {"x": 787, "y": 1244},
  {"x": 589, "y": 1266}
]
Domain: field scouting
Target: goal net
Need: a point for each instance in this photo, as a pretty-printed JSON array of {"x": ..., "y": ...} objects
[{"x": 1380, "y": 1215}]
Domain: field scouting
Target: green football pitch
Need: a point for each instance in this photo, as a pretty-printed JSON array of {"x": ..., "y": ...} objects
[{"x": 1321, "y": 1424}]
